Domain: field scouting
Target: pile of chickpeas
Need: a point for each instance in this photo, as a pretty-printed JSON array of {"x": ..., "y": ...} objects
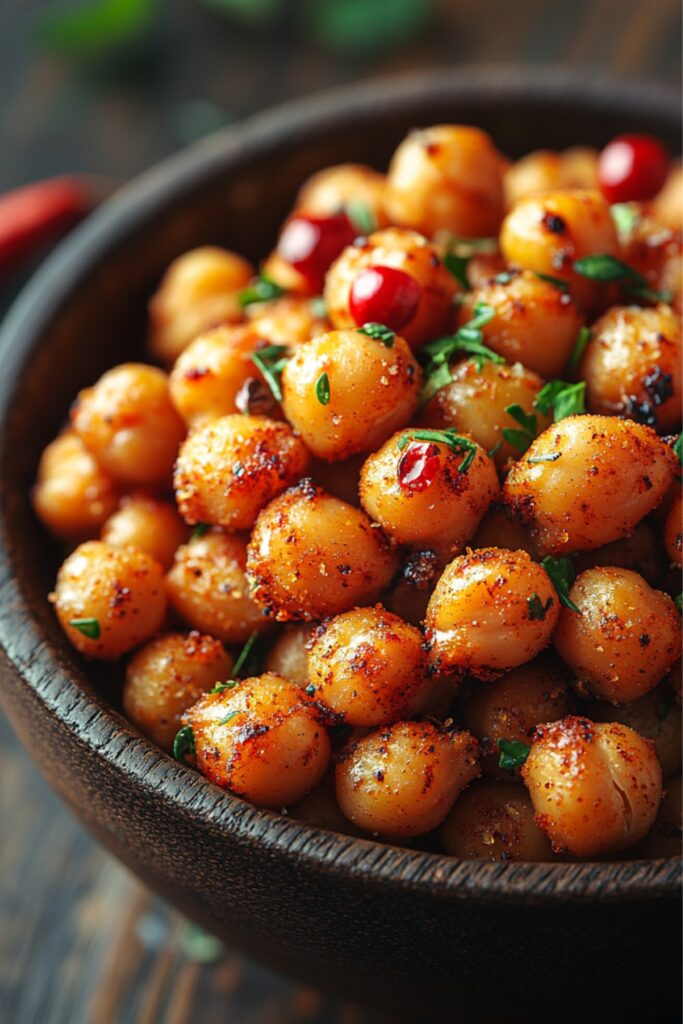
[{"x": 387, "y": 535}]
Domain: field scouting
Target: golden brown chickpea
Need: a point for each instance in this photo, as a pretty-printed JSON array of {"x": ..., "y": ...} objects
[
  {"x": 595, "y": 787},
  {"x": 667, "y": 207},
  {"x": 548, "y": 232},
  {"x": 446, "y": 177},
  {"x": 368, "y": 666},
  {"x": 402, "y": 781},
  {"x": 411, "y": 589},
  {"x": 673, "y": 533},
  {"x": 400, "y": 250},
  {"x": 632, "y": 365},
  {"x": 128, "y": 422},
  {"x": 264, "y": 740},
  {"x": 73, "y": 496},
  {"x": 109, "y": 600},
  {"x": 207, "y": 587},
  {"x": 624, "y": 638},
  {"x": 494, "y": 821},
  {"x": 147, "y": 523},
  {"x": 536, "y": 323},
  {"x": 640, "y": 552},
  {"x": 311, "y": 555},
  {"x": 290, "y": 320},
  {"x": 546, "y": 171},
  {"x": 288, "y": 656},
  {"x": 475, "y": 403},
  {"x": 340, "y": 187},
  {"x": 198, "y": 291},
  {"x": 511, "y": 707},
  {"x": 166, "y": 676},
  {"x": 664, "y": 838},
  {"x": 491, "y": 610},
  {"x": 656, "y": 716},
  {"x": 418, "y": 492},
  {"x": 498, "y": 529},
  {"x": 656, "y": 252},
  {"x": 588, "y": 480},
  {"x": 230, "y": 468},
  {"x": 320, "y": 808},
  {"x": 343, "y": 420}
]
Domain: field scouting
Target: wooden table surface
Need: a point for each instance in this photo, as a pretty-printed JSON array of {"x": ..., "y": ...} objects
[{"x": 81, "y": 942}]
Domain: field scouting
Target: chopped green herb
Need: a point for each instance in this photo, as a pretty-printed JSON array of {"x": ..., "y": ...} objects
[
  {"x": 199, "y": 531},
  {"x": 494, "y": 451},
  {"x": 603, "y": 267},
  {"x": 322, "y": 389},
  {"x": 678, "y": 448},
  {"x": 247, "y": 656},
  {"x": 261, "y": 289},
  {"x": 559, "y": 282},
  {"x": 538, "y": 610},
  {"x": 468, "y": 338},
  {"x": 457, "y": 267},
  {"x": 564, "y": 399},
  {"x": 88, "y": 627},
  {"x": 310, "y": 690},
  {"x": 228, "y": 718},
  {"x": 505, "y": 277},
  {"x": 183, "y": 744},
  {"x": 379, "y": 332},
  {"x": 361, "y": 216},
  {"x": 550, "y": 457},
  {"x": 271, "y": 361},
  {"x": 625, "y": 217},
  {"x": 230, "y": 685},
  {"x": 513, "y": 753},
  {"x": 582, "y": 339},
  {"x": 318, "y": 307},
  {"x": 459, "y": 445},
  {"x": 561, "y": 572},
  {"x": 520, "y": 439}
]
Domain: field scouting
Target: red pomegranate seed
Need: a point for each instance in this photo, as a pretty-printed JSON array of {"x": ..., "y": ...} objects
[
  {"x": 419, "y": 466},
  {"x": 310, "y": 244},
  {"x": 632, "y": 168},
  {"x": 384, "y": 295}
]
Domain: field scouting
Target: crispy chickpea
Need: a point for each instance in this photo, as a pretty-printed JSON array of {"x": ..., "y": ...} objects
[
  {"x": 656, "y": 252},
  {"x": 288, "y": 656},
  {"x": 402, "y": 781},
  {"x": 368, "y": 666},
  {"x": 414, "y": 256},
  {"x": 230, "y": 468},
  {"x": 109, "y": 600},
  {"x": 494, "y": 821},
  {"x": 198, "y": 291},
  {"x": 498, "y": 529},
  {"x": 535, "y": 322},
  {"x": 128, "y": 422},
  {"x": 664, "y": 838},
  {"x": 667, "y": 206},
  {"x": 207, "y": 587},
  {"x": 475, "y": 403},
  {"x": 419, "y": 493},
  {"x": 632, "y": 365},
  {"x": 656, "y": 716},
  {"x": 263, "y": 740},
  {"x": 640, "y": 552},
  {"x": 548, "y": 232},
  {"x": 624, "y": 638},
  {"x": 673, "y": 532},
  {"x": 588, "y": 480},
  {"x": 511, "y": 707},
  {"x": 73, "y": 496},
  {"x": 446, "y": 177},
  {"x": 166, "y": 676},
  {"x": 595, "y": 787},
  {"x": 311, "y": 555},
  {"x": 547, "y": 171},
  {"x": 320, "y": 808},
  {"x": 340, "y": 187},
  {"x": 352, "y": 366},
  {"x": 491, "y": 610},
  {"x": 147, "y": 523},
  {"x": 290, "y": 320}
]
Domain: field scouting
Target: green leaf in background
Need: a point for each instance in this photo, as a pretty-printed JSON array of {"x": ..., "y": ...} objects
[
  {"x": 256, "y": 12},
  {"x": 82, "y": 29},
  {"x": 361, "y": 27}
]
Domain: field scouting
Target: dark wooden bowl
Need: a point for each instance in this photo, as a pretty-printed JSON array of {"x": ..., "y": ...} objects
[{"x": 398, "y": 927}]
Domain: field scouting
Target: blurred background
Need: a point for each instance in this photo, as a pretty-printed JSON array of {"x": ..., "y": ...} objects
[{"x": 108, "y": 87}]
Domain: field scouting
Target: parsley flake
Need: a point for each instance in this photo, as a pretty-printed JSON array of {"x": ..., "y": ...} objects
[
  {"x": 88, "y": 627},
  {"x": 250, "y": 656},
  {"x": 184, "y": 744},
  {"x": 220, "y": 687},
  {"x": 513, "y": 753},
  {"x": 559, "y": 282},
  {"x": 199, "y": 531},
  {"x": 538, "y": 610},
  {"x": 271, "y": 361},
  {"x": 564, "y": 399},
  {"x": 361, "y": 216},
  {"x": 603, "y": 267},
  {"x": 322, "y": 389},
  {"x": 228, "y": 718},
  {"x": 379, "y": 332},
  {"x": 561, "y": 572},
  {"x": 261, "y": 289},
  {"x": 582, "y": 339},
  {"x": 520, "y": 439},
  {"x": 468, "y": 338}
]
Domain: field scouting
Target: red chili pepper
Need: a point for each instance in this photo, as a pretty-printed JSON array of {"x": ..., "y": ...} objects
[{"x": 31, "y": 215}]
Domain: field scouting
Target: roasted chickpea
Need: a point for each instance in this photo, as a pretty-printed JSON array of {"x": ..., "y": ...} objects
[
  {"x": 447, "y": 177},
  {"x": 326, "y": 385},
  {"x": 147, "y": 523},
  {"x": 595, "y": 787},
  {"x": 498, "y": 529},
  {"x": 166, "y": 676},
  {"x": 673, "y": 533},
  {"x": 423, "y": 493},
  {"x": 632, "y": 365},
  {"x": 588, "y": 480},
  {"x": 263, "y": 740},
  {"x": 655, "y": 252},
  {"x": 640, "y": 552},
  {"x": 624, "y": 638},
  {"x": 207, "y": 587},
  {"x": 667, "y": 206},
  {"x": 476, "y": 402},
  {"x": 73, "y": 496},
  {"x": 288, "y": 656},
  {"x": 403, "y": 780},
  {"x": 529, "y": 312},
  {"x": 109, "y": 600},
  {"x": 368, "y": 666},
  {"x": 342, "y": 187},
  {"x": 491, "y": 610},
  {"x": 290, "y": 320},
  {"x": 320, "y": 808},
  {"x": 311, "y": 555},
  {"x": 664, "y": 838},
  {"x": 546, "y": 171},
  {"x": 229, "y": 469},
  {"x": 419, "y": 308},
  {"x": 494, "y": 821},
  {"x": 656, "y": 716},
  {"x": 549, "y": 232},
  {"x": 510, "y": 707},
  {"x": 199, "y": 290},
  {"x": 128, "y": 422}
]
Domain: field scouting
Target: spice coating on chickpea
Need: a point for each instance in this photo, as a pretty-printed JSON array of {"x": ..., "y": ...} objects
[
  {"x": 673, "y": 532},
  {"x": 345, "y": 186},
  {"x": 656, "y": 717},
  {"x": 149, "y": 524},
  {"x": 494, "y": 821},
  {"x": 73, "y": 496}
]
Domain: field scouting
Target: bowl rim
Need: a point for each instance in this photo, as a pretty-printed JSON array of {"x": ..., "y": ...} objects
[{"x": 90, "y": 717}]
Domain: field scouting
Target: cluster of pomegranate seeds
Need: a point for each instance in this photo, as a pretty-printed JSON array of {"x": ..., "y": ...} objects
[
  {"x": 419, "y": 466},
  {"x": 311, "y": 244},
  {"x": 384, "y": 295},
  {"x": 632, "y": 168}
]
